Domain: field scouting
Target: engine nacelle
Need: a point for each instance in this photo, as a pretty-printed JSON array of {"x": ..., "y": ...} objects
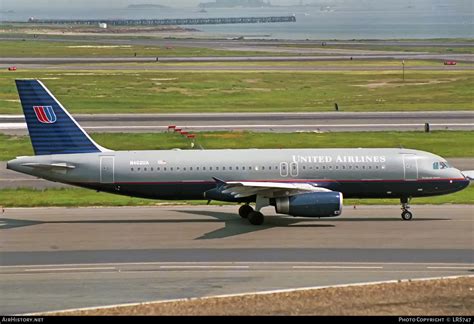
[{"x": 315, "y": 204}]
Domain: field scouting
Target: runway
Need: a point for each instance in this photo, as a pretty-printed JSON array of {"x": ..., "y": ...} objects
[
  {"x": 233, "y": 67},
  {"x": 347, "y": 56},
  {"x": 282, "y": 122},
  {"x": 56, "y": 258}
]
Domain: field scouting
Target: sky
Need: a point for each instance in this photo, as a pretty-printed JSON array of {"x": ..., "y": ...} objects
[
  {"x": 30, "y": 4},
  {"x": 12, "y": 4}
]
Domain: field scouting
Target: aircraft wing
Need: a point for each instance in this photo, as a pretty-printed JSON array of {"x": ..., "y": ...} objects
[{"x": 241, "y": 189}]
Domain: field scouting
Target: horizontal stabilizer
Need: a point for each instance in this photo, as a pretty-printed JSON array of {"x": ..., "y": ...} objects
[{"x": 50, "y": 166}]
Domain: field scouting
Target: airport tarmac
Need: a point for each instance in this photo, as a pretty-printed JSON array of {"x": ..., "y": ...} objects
[
  {"x": 57, "y": 258},
  {"x": 211, "y": 59},
  {"x": 281, "y": 122},
  {"x": 223, "y": 67},
  {"x": 225, "y": 43}
]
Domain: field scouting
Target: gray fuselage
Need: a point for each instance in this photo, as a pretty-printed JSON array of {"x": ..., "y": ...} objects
[{"x": 189, "y": 174}]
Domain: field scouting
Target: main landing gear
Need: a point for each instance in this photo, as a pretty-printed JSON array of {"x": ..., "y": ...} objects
[
  {"x": 406, "y": 215},
  {"x": 254, "y": 216}
]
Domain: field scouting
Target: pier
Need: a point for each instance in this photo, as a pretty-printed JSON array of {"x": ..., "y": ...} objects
[{"x": 165, "y": 22}]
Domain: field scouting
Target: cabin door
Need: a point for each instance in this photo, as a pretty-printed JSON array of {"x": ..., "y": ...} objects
[
  {"x": 107, "y": 169},
  {"x": 410, "y": 167}
]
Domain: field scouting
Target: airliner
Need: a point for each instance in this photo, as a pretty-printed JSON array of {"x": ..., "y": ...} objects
[{"x": 296, "y": 182}]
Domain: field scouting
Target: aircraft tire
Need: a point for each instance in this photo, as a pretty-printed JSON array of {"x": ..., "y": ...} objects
[
  {"x": 245, "y": 210},
  {"x": 406, "y": 215},
  {"x": 255, "y": 218}
]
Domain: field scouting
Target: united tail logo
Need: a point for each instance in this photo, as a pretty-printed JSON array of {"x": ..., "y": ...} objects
[{"x": 45, "y": 114}]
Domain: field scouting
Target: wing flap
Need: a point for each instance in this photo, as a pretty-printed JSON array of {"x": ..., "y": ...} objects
[{"x": 241, "y": 189}]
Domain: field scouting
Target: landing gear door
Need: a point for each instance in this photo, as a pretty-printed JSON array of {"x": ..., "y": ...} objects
[
  {"x": 107, "y": 169},
  {"x": 410, "y": 167}
]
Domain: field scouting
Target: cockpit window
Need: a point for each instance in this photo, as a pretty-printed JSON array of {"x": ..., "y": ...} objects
[{"x": 440, "y": 165}]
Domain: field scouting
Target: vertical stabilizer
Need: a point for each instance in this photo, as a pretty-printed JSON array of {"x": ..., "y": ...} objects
[{"x": 52, "y": 129}]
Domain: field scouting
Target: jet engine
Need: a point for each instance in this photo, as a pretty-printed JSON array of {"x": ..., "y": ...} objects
[{"x": 315, "y": 204}]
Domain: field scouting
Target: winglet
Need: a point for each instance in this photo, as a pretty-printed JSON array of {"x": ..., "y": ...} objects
[
  {"x": 469, "y": 174},
  {"x": 219, "y": 181}
]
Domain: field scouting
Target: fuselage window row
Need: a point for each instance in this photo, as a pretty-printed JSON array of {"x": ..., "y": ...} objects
[{"x": 262, "y": 168}]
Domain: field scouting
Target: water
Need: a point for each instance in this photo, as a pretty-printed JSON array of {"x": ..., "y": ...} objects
[{"x": 349, "y": 19}]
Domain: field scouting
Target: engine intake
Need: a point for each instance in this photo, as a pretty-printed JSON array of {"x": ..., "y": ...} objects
[{"x": 315, "y": 204}]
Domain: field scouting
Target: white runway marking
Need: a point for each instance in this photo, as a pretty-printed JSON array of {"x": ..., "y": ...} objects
[
  {"x": 203, "y": 267},
  {"x": 335, "y": 267},
  {"x": 69, "y": 269},
  {"x": 454, "y": 268}
]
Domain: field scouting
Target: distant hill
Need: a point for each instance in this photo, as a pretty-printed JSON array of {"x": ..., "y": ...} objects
[
  {"x": 235, "y": 3},
  {"x": 146, "y": 6}
]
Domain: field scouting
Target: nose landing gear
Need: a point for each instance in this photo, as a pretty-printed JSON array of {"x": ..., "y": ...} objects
[{"x": 406, "y": 214}]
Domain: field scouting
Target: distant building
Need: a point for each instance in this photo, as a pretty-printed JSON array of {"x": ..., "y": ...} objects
[{"x": 103, "y": 25}]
